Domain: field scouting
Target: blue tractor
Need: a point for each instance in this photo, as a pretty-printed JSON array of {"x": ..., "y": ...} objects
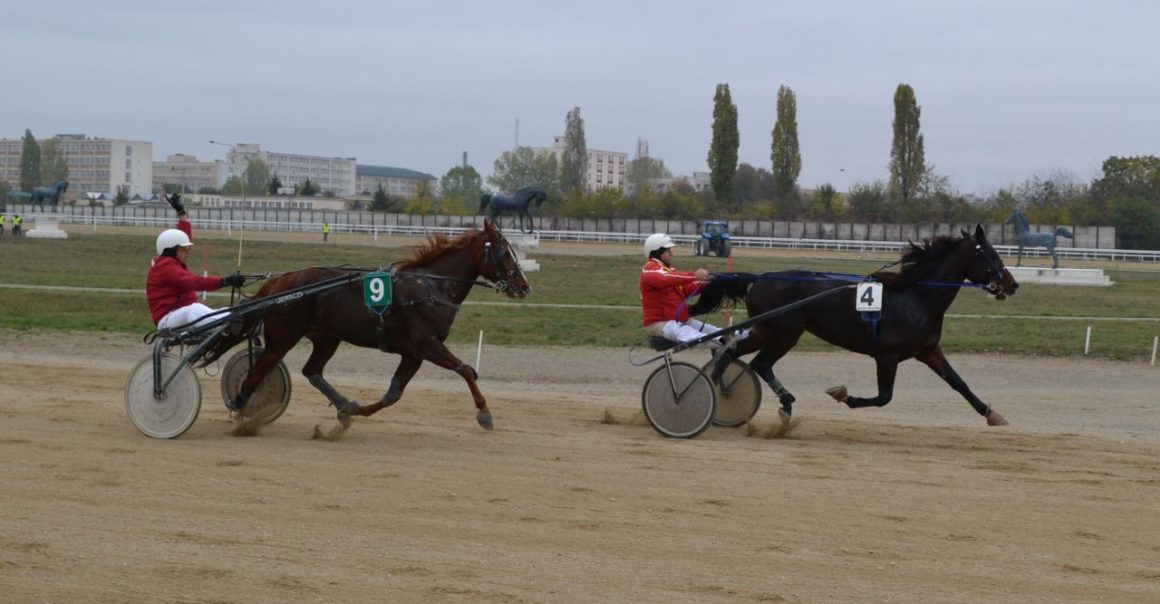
[{"x": 714, "y": 239}]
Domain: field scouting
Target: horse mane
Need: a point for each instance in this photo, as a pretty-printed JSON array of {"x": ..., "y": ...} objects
[
  {"x": 919, "y": 261},
  {"x": 436, "y": 245}
]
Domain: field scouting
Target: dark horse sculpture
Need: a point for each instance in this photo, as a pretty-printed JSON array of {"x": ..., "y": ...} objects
[
  {"x": 41, "y": 194},
  {"x": 517, "y": 204},
  {"x": 1025, "y": 238},
  {"x": 914, "y": 300},
  {"x": 429, "y": 287}
]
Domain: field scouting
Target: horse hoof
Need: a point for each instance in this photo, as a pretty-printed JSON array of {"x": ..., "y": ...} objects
[
  {"x": 838, "y": 392},
  {"x": 484, "y": 419},
  {"x": 784, "y": 416},
  {"x": 994, "y": 419}
]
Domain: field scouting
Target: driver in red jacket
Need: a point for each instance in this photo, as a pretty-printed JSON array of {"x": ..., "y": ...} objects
[
  {"x": 663, "y": 291},
  {"x": 170, "y": 288}
]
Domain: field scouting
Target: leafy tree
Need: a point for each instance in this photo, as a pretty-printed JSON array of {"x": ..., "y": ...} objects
[
  {"x": 309, "y": 189},
  {"x": 275, "y": 185},
  {"x": 722, "y": 157},
  {"x": 907, "y": 158},
  {"x": 1137, "y": 222},
  {"x": 574, "y": 160},
  {"x": 4, "y": 189},
  {"x": 1123, "y": 177},
  {"x": 825, "y": 204},
  {"x": 122, "y": 197},
  {"x": 257, "y": 176},
  {"x": 53, "y": 167},
  {"x": 461, "y": 184},
  {"x": 785, "y": 152},
  {"x": 643, "y": 168},
  {"x": 1050, "y": 200},
  {"x": 753, "y": 184},
  {"x": 29, "y": 162},
  {"x": 383, "y": 202},
  {"x": 524, "y": 167},
  {"x": 233, "y": 186},
  {"x": 868, "y": 202}
]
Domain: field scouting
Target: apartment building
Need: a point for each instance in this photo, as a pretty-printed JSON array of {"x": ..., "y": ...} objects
[
  {"x": 187, "y": 172},
  {"x": 329, "y": 174},
  {"x": 95, "y": 165},
  {"x": 397, "y": 182},
  {"x": 606, "y": 169}
]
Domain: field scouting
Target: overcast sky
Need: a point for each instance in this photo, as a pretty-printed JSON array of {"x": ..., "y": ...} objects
[{"x": 1008, "y": 89}]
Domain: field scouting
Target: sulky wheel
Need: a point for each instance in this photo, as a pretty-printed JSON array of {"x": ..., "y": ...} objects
[
  {"x": 678, "y": 400},
  {"x": 738, "y": 395},
  {"x": 171, "y": 414},
  {"x": 269, "y": 399}
]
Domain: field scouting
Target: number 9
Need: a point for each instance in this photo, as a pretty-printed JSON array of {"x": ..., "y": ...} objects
[{"x": 378, "y": 289}]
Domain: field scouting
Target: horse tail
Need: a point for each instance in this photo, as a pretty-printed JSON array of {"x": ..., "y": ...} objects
[
  {"x": 1064, "y": 232},
  {"x": 483, "y": 201},
  {"x": 734, "y": 286}
]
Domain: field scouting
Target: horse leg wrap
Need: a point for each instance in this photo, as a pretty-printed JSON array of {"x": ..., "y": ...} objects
[
  {"x": 330, "y": 393},
  {"x": 237, "y": 404},
  {"x": 783, "y": 396}
]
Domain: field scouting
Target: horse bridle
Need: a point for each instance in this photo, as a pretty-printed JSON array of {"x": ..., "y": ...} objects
[
  {"x": 494, "y": 254},
  {"x": 994, "y": 269}
]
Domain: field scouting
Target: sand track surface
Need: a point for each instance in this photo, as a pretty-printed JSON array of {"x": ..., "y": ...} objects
[{"x": 573, "y": 498}]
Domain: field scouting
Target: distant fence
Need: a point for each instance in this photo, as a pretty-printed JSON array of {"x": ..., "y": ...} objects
[{"x": 1090, "y": 243}]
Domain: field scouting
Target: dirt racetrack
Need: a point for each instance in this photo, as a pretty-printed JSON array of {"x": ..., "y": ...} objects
[{"x": 916, "y": 502}]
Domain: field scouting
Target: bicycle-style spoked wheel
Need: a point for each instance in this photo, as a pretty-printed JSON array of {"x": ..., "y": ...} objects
[
  {"x": 738, "y": 395},
  {"x": 678, "y": 400},
  {"x": 269, "y": 399},
  {"x": 175, "y": 411}
]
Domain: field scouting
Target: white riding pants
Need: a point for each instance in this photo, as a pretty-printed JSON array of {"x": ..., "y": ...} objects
[{"x": 186, "y": 314}]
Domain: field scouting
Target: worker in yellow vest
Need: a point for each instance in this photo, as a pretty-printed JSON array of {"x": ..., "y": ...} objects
[
  {"x": 16, "y": 222},
  {"x": 325, "y": 231}
]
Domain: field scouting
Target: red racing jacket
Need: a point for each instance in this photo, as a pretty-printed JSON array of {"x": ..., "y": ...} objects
[
  {"x": 663, "y": 291},
  {"x": 170, "y": 285}
]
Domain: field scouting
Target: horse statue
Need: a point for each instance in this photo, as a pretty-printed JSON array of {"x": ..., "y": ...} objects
[
  {"x": 428, "y": 289},
  {"x": 517, "y": 203},
  {"x": 40, "y": 194},
  {"x": 1024, "y": 237},
  {"x": 909, "y": 325}
]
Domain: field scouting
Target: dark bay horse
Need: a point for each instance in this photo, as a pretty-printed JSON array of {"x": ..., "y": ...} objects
[
  {"x": 914, "y": 300},
  {"x": 1025, "y": 238},
  {"x": 429, "y": 287},
  {"x": 517, "y": 204},
  {"x": 41, "y": 194}
]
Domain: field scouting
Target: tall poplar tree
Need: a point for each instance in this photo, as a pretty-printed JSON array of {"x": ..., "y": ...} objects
[
  {"x": 907, "y": 159},
  {"x": 723, "y": 148},
  {"x": 53, "y": 167},
  {"x": 784, "y": 152},
  {"x": 29, "y": 162},
  {"x": 574, "y": 162}
]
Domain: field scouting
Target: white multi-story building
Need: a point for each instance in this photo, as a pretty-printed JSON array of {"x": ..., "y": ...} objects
[
  {"x": 95, "y": 165},
  {"x": 187, "y": 172},
  {"x": 329, "y": 174},
  {"x": 606, "y": 169},
  {"x": 397, "y": 182}
]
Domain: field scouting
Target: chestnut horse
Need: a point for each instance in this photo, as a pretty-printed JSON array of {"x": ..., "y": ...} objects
[
  {"x": 429, "y": 287},
  {"x": 909, "y": 325}
]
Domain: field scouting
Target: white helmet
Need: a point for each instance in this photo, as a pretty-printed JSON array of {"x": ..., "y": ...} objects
[
  {"x": 170, "y": 238},
  {"x": 655, "y": 242}
]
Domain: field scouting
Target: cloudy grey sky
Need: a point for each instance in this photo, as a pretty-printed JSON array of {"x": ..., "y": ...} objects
[{"x": 1009, "y": 89}]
